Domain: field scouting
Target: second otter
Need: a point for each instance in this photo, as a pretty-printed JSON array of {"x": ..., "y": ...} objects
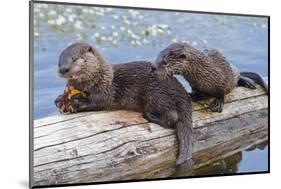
[
  {"x": 131, "y": 86},
  {"x": 208, "y": 72}
]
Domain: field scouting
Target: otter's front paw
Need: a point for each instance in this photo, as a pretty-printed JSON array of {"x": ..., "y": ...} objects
[
  {"x": 77, "y": 105},
  {"x": 80, "y": 104},
  {"x": 58, "y": 101}
]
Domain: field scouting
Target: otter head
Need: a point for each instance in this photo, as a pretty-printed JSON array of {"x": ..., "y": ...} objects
[
  {"x": 174, "y": 59},
  {"x": 81, "y": 62}
]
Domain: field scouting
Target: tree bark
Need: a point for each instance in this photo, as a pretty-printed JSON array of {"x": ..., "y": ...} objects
[{"x": 121, "y": 145}]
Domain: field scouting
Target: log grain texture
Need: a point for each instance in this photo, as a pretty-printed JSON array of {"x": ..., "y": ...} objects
[{"x": 121, "y": 145}]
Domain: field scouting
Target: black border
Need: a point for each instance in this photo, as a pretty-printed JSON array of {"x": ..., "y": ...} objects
[{"x": 31, "y": 64}]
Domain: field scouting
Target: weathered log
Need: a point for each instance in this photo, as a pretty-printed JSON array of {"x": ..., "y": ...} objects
[{"x": 121, "y": 145}]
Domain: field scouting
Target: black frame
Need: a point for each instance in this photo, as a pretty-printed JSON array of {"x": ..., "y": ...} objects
[{"x": 31, "y": 64}]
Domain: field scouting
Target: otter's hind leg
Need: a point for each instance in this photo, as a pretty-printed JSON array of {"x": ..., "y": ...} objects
[
  {"x": 183, "y": 133},
  {"x": 167, "y": 120},
  {"x": 151, "y": 118},
  {"x": 246, "y": 82}
]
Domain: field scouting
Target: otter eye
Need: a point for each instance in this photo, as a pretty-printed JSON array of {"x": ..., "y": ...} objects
[
  {"x": 165, "y": 59},
  {"x": 182, "y": 56},
  {"x": 74, "y": 59},
  {"x": 164, "y": 62}
]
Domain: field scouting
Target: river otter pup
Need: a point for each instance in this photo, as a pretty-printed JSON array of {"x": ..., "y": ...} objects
[
  {"x": 208, "y": 72},
  {"x": 131, "y": 86}
]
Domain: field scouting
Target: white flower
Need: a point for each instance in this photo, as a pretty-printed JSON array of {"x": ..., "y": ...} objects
[
  {"x": 71, "y": 17},
  {"x": 79, "y": 22},
  {"x": 175, "y": 40},
  {"x": 60, "y": 20},
  {"x": 113, "y": 27},
  {"x": 122, "y": 28},
  {"x": 134, "y": 13},
  {"x": 77, "y": 25},
  {"x": 129, "y": 31},
  {"x": 133, "y": 42},
  {"x": 127, "y": 22},
  {"x": 103, "y": 27},
  {"x": 69, "y": 10},
  {"x": 103, "y": 38},
  {"x": 51, "y": 22},
  {"x": 78, "y": 36},
  {"x": 91, "y": 11},
  {"x": 52, "y": 13},
  {"x": 133, "y": 36},
  {"x": 116, "y": 17},
  {"x": 85, "y": 10},
  {"x": 145, "y": 41},
  {"x": 109, "y": 38},
  {"x": 138, "y": 43},
  {"x": 108, "y": 9},
  {"x": 163, "y": 26},
  {"x": 99, "y": 13},
  {"x": 114, "y": 42},
  {"x": 115, "y": 34},
  {"x": 36, "y": 34},
  {"x": 205, "y": 41},
  {"x": 96, "y": 35},
  {"x": 160, "y": 31},
  {"x": 41, "y": 15},
  {"x": 194, "y": 43},
  {"x": 153, "y": 32}
]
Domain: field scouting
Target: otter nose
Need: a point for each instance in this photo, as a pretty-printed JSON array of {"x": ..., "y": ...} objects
[{"x": 63, "y": 70}]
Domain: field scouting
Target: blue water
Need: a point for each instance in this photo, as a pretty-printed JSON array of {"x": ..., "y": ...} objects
[
  {"x": 252, "y": 160},
  {"x": 140, "y": 36}
]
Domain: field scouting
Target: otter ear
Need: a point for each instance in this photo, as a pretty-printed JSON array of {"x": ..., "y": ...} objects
[{"x": 91, "y": 50}]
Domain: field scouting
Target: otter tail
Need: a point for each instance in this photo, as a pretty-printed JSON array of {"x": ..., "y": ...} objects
[
  {"x": 184, "y": 133},
  {"x": 254, "y": 77}
]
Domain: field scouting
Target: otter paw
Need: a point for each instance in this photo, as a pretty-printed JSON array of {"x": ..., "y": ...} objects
[
  {"x": 76, "y": 104},
  {"x": 151, "y": 118},
  {"x": 216, "y": 105},
  {"x": 246, "y": 82},
  {"x": 250, "y": 85},
  {"x": 58, "y": 101}
]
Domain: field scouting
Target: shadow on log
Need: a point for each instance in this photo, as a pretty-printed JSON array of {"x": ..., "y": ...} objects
[{"x": 121, "y": 145}]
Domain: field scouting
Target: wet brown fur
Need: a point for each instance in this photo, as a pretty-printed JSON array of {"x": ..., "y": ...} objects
[
  {"x": 208, "y": 72},
  {"x": 130, "y": 86}
]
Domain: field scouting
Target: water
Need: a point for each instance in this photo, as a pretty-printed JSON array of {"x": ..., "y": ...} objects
[
  {"x": 128, "y": 35},
  {"x": 252, "y": 160}
]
